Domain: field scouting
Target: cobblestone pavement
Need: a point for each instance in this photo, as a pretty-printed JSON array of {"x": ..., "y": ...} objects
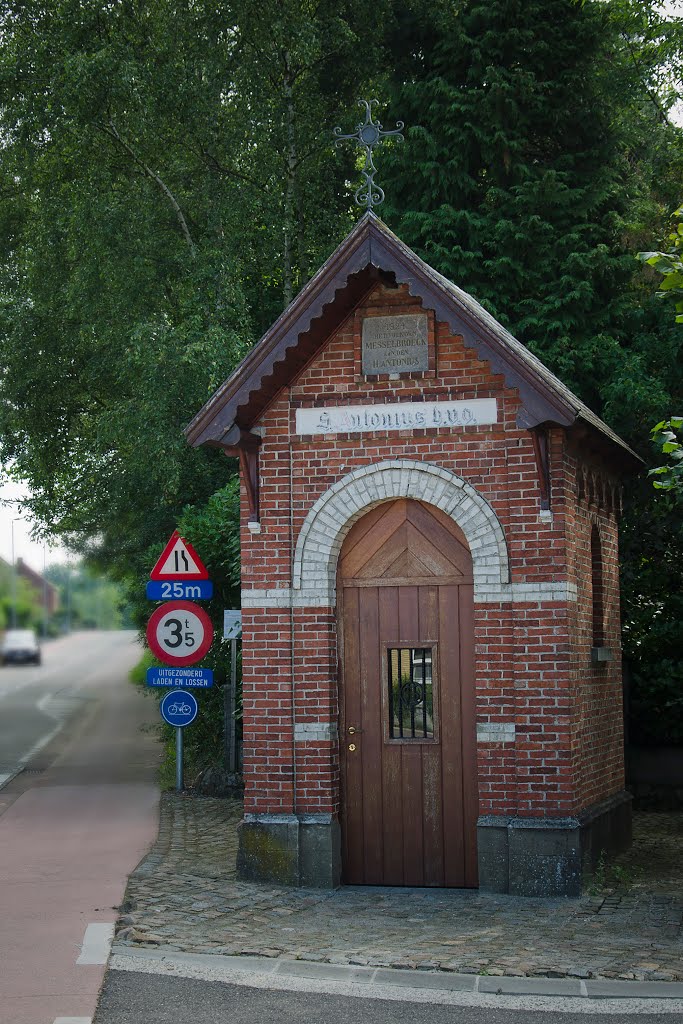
[{"x": 185, "y": 896}]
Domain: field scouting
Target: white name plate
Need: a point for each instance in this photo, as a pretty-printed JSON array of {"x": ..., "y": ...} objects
[{"x": 359, "y": 419}]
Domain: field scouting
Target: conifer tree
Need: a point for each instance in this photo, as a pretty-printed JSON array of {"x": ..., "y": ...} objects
[{"x": 514, "y": 183}]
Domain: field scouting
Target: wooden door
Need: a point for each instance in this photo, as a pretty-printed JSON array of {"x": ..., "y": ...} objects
[{"x": 407, "y": 720}]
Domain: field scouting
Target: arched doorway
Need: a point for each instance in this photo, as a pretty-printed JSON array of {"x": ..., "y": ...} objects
[{"x": 407, "y": 716}]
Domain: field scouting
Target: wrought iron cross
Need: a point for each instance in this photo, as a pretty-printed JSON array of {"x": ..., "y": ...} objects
[{"x": 369, "y": 133}]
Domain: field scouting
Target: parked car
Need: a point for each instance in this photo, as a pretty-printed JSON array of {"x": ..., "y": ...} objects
[{"x": 20, "y": 645}]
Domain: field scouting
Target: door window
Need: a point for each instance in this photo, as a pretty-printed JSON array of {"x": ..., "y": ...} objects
[{"x": 410, "y": 693}]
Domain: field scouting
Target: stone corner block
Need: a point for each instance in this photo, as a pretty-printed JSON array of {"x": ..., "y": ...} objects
[
  {"x": 296, "y": 852},
  {"x": 269, "y": 852}
]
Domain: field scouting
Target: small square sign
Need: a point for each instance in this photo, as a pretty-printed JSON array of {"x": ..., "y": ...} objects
[{"x": 232, "y": 624}]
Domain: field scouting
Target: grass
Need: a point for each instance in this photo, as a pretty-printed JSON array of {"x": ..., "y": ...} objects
[
  {"x": 609, "y": 875},
  {"x": 138, "y": 673}
]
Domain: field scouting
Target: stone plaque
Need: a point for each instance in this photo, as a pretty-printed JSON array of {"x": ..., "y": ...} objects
[
  {"x": 395, "y": 344},
  {"x": 358, "y": 419}
]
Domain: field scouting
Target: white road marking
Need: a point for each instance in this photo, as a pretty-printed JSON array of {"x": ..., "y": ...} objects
[
  {"x": 58, "y": 709},
  {"x": 23, "y": 761},
  {"x": 73, "y": 1020},
  {"x": 96, "y": 943}
]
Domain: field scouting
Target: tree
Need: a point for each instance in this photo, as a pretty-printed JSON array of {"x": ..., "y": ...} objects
[
  {"x": 18, "y": 600},
  {"x": 540, "y": 155},
  {"x": 168, "y": 181},
  {"x": 670, "y": 265},
  {"x": 515, "y": 186},
  {"x": 87, "y": 600},
  {"x": 669, "y": 477},
  {"x": 163, "y": 189}
]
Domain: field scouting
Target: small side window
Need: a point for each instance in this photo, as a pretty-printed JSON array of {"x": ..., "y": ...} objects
[{"x": 598, "y": 589}]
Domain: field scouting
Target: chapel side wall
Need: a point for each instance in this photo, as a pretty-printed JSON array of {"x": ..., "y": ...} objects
[
  {"x": 267, "y": 694},
  {"x": 544, "y": 768},
  {"x": 523, "y": 667},
  {"x": 597, "y": 690}
]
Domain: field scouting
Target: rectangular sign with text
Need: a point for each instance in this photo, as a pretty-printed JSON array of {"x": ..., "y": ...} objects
[
  {"x": 201, "y": 678},
  {"x": 169, "y": 590}
]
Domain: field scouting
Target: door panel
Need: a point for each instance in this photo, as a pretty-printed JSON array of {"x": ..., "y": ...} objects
[{"x": 408, "y": 803}]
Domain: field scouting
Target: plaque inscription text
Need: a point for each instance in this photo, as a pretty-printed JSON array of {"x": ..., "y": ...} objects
[{"x": 395, "y": 344}]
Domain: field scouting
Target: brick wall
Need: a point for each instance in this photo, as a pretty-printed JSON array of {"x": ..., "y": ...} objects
[
  {"x": 534, "y": 672},
  {"x": 597, "y": 728}
]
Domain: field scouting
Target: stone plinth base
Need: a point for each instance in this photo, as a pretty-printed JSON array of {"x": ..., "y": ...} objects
[
  {"x": 519, "y": 856},
  {"x": 290, "y": 849},
  {"x": 550, "y": 856}
]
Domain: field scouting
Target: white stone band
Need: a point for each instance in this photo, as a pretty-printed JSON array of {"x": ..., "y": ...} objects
[
  {"x": 325, "y": 731},
  {"x": 495, "y": 732},
  {"x": 484, "y": 593},
  {"x": 285, "y": 597}
]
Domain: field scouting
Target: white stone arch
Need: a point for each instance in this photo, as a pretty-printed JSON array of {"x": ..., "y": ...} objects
[{"x": 334, "y": 513}]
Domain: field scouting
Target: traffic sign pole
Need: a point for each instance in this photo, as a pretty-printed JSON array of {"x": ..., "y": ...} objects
[
  {"x": 179, "y": 781},
  {"x": 179, "y": 633},
  {"x": 179, "y": 709},
  {"x": 232, "y": 631},
  {"x": 231, "y": 695}
]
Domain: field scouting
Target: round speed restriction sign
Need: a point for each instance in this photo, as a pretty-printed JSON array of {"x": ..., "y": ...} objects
[{"x": 179, "y": 633}]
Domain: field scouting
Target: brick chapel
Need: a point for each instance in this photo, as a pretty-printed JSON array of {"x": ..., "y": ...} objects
[{"x": 432, "y": 689}]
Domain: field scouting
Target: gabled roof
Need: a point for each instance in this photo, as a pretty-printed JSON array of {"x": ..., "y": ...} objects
[{"x": 369, "y": 254}]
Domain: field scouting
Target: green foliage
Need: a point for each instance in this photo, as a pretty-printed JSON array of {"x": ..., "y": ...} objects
[
  {"x": 539, "y": 157},
  {"x": 651, "y": 541},
  {"x": 666, "y": 435},
  {"x": 19, "y": 602},
  {"x": 670, "y": 265},
  {"x": 163, "y": 190},
  {"x": 138, "y": 673},
  {"x": 87, "y": 600},
  {"x": 514, "y": 183},
  {"x": 168, "y": 182},
  {"x": 609, "y": 875}
]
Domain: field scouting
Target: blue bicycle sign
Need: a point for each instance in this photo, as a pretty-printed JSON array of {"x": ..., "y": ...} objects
[{"x": 179, "y": 708}]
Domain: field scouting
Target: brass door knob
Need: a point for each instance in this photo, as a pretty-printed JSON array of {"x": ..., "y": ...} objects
[{"x": 352, "y": 746}]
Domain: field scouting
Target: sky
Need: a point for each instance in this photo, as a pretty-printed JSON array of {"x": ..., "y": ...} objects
[{"x": 31, "y": 551}]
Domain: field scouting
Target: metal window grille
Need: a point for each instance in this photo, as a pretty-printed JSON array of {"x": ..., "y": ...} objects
[{"x": 411, "y": 697}]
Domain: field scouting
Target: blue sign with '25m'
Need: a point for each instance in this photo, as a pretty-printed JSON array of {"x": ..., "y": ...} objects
[{"x": 173, "y": 590}]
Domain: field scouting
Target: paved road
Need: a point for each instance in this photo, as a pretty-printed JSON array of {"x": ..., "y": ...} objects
[
  {"x": 136, "y": 998},
  {"x": 73, "y": 823}
]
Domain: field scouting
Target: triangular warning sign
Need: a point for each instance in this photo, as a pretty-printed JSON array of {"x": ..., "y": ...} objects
[{"x": 179, "y": 561}]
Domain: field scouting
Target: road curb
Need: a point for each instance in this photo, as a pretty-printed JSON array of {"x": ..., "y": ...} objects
[{"x": 590, "y": 989}]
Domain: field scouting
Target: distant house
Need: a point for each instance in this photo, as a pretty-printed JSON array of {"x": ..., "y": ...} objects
[{"x": 44, "y": 591}]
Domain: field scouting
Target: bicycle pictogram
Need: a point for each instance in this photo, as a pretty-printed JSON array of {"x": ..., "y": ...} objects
[{"x": 179, "y": 709}]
